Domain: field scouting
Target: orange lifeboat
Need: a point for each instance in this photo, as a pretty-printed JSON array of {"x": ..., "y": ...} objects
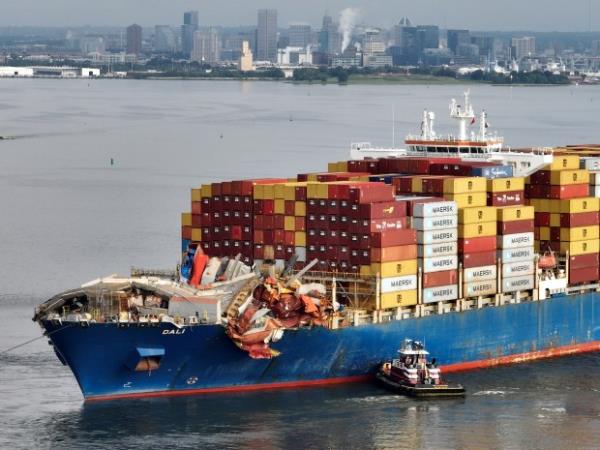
[{"x": 547, "y": 260}]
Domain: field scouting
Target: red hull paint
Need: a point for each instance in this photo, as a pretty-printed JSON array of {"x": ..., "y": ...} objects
[{"x": 452, "y": 368}]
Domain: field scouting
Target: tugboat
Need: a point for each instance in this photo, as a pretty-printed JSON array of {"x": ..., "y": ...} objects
[{"x": 413, "y": 375}]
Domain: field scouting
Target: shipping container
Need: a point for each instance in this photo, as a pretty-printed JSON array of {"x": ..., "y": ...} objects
[
  {"x": 515, "y": 269},
  {"x": 480, "y": 273},
  {"x": 575, "y": 205},
  {"x": 395, "y": 269},
  {"x": 582, "y": 261},
  {"x": 509, "y": 213},
  {"x": 437, "y": 236},
  {"x": 440, "y": 294},
  {"x": 505, "y": 198},
  {"x": 515, "y": 240},
  {"x": 186, "y": 219},
  {"x": 506, "y": 184},
  {"x": 473, "y": 230},
  {"x": 496, "y": 171},
  {"x": 438, "y": 263},
  {"x": 590, "y": 163},
  {"x": 514, "y": 284},
  {"x": 578, "y": 233},
  {"x": 574, "y": 220},
  {"x": 435, "y": 209},
  {"x": 468, "y": 200},
  {"x": 434, "y": 223},
  {"x": 580, "y": 247},
  {"x": 564, "y": 162},
  {"x": 464, "y": 185},
  {"x": 391, "y": 238},
  {"x": 432, "y": 250},
  {"x": 479, "y": 288},
  {"x": 387, "y": 254},
  {"x": 584, "y": 275},
  {"x": 515, "y": 226},
  {"x": 442, "y": 278},
  {"x": 477, "y": 215},
  {"x": 479, "y": 259},
  {"x": 511, "y": 255},
  {"x": 398, "y": 299},
  {"x": 474, "y": 245},
  {"x": 395, "y": 284}
]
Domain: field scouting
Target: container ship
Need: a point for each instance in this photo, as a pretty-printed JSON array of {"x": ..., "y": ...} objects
[{"x": 487, "y": 254}]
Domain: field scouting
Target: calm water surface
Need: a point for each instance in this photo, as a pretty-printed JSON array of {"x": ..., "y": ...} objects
[{"x": 67, "y": 216}]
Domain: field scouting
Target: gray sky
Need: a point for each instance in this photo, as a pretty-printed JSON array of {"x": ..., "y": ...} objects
[{"x": 503, "y": 15}]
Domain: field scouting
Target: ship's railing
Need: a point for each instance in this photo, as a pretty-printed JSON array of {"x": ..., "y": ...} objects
[
  {"x": 491, "y": 139},
  {"x": 171, "y": 274}
]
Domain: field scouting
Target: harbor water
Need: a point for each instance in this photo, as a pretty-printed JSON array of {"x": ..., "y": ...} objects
[{"x": 68, "y": 215}]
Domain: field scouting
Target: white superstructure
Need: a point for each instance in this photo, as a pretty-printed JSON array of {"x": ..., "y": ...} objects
[{"x": 477, "y": 145}]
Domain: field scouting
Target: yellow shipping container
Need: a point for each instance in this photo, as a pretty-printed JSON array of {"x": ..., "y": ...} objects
[
  {"x": 555, "y": 220},
  {"x": 510, "y": 213},
  {"x": 463, "y": 185},
  {"x": 289, "y": 223},
  {"x": 468, "y": 200},
  {"x": 579, "y": 233},
  {"x": 566, "y": 177},
  {"x": 544, "y": 233},
  {"x": 580, "y": 247},
  {"x": 342, "y": 166},
  {"x": 416, "y": 184},
  {"x": 206, "y": 190},
  {"x": 506, "y": 184},
  {"x": 196, "y": 234},
  {"x": 279, "y": 190},
  {"x": 186, "y": 219},
  {"x": 395, "y": 268},
  {"x": 279, "y": 206},
  {"x": 477, "y": 214},
  {"x": 289, "y": 190},
  {"x": 564, "y": 162},
  {"x": 365, "y": 271},
  {"x": 396, "y": 299},
  {"x": 317, "y": 190},
  {"x": 258, "y": 191},
  {"x": 300, "y": 238},
  {"x": 300, "y": 209},
  {"x": 312, "y": 177},
  {"x": 575, "y": 205},
  {"x": 332, "y": 167},
  {"x": 473, "y": 230},
  {"x": 269, "y": 191},
  {"x": 197, "y": 194}
]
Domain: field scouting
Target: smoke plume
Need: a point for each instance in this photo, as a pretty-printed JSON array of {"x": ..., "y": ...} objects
[{"x": 348, "y": 18}]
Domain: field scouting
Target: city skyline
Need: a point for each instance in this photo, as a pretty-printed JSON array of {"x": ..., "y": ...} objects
[{"x": 511, "y": 15}]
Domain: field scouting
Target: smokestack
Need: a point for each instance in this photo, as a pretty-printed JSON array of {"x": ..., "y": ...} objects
[{"x": 348, "y": 18}]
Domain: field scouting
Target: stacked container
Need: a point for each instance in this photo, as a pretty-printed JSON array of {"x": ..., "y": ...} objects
[
  {"x": 567, "y": 218},
  {"x": 437, "y": 235},
  {"x": 516, "y": 247},
  {"x": 477, "y": 237},
  {"x": 506, "y": 191}
]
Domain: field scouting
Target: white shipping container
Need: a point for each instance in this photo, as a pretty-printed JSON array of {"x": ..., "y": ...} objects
[
  {"x": 440, "y": 293},
  {"x": 301, "y": 253},
  {"x": 437, "y": 236},
  {"x": 515, "y": 240},
  {"x": 443, "y": 249},
  {"x": 595, "y": 191},
  {"x": 479, "y": 288},
  {"x": 480, "y": 274},
  {"x": 511, "y": 255},
  {"x": 435, "y": 209},
  {"x": 394, "y": 284},
  {"x": 434, "y": 223},
  {"x": 513, "y": 284},
  {"x": 589, "y": 163},
  {"x": 517, "y": 269},
  {"x": 439, "y": 263}
]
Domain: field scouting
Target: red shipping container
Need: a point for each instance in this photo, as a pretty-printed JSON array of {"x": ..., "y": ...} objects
[
  {"x": 246, "y": 233},
  {"x": 478, "y": 259},
  {"x": 300, "y": 224},
  {"x": 396, "y": 253},
  {"x": 374, "y": 225},
  {"x": 569, "y": 191},
  {"x": 268, "y": 207},
  {"x": 580, "y": 261},
  {"x": 259, "y": 222},
  {"x": 258, "y": 207},
  {"x": 247, "y": 218},
  {"x": 206, "y": 219},
  {"x": 443, "y": 278},
  {"x": 536, "y": 233},
  {"x": 540, "y": 177},
  {"x": 279, "y": 252},
  {"x": 196, "y": 207},
  {"x": 579, "y": 219},
  {"x": 506, "y": 198},
  {"x": 226, "y": 188},
  {"x": 537, "y": 191},
  {"x": 259, "y": 251},
  {"x": 411, "y": 202},
  {"x": 259, "y": 237},
  {"x": 379, "y": 210},
  {"x": 300, "y": 193},
  {"x": 236, "y": 187},
  {"x": 550, "y": 245},
  {"x": 246, "y": 187},
  {"x": 216, "y": 189},
  {"x": 542, "y": 219},
  {"x": 278, "y": 221},
  {"x": 478, "y": 244},
  {"x": 402, "y": 185},
  {"x": 390, "y": 238},
  {"x": 289, "y": 238},
  {"x": 206, "y": 204},
  {"x": 331, "y": 208},
  {"x": 206, "y": 233},
  {"x": 583, "y": 275},
  {"x": 206, "y": 247},
  {"x": 226, "y": 232},
  {"x": 371, "y": 192},
  {"x": 196, "y": 220},
  {"x": 216, "y": 203},
  {"x": 515, "y": 226},
  {"x": 186, "y": 232}
]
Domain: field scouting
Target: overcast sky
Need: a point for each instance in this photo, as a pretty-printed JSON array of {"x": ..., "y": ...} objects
[{"x": 503, "y": 15}]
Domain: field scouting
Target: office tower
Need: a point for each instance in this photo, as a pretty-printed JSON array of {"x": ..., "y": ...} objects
[
  {"x": 428, "y": 36},
  {"x": 189, "y": 27},
  {"x": 134, "y": 39},
  {"x": 330, "y": 40},
  {"x": 457, "y": 38},
  {"x": 300, "y": 35},
  {"x": 245, "y": 62},
  {"x": 523, "y": 47},
  {"x": 206, "y": 46},
  {"x": 406, "y": 44},
  {"x": 266, "y": 36},
  {"x": 164, "y": 39}
]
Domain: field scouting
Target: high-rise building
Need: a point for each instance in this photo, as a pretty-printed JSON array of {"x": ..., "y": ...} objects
[
  {"x": 406, "y": 43},
  {"x": 206, "y": 46},
  {"x": 523, "y": 47},
  {"x": 266, "y": 36},
  {"x": 330, "y": 40},
  {"x": 456, "y": 38},
  {"x": 245, "y": 62},
  {"x": 372, "y": 42},
  {"x": 428, "y": 36},
  {"x": 596, "y": 47},
  {"x": 487, "y": 46},
  {"x": 189, "y": 27},
  {"x": 300, "y": 35},
  {"x": 164, "y": 39},
  {"x": 134, "y": 39}
]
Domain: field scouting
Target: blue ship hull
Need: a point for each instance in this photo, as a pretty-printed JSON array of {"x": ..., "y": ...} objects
[{"x": 203, "y": 359}]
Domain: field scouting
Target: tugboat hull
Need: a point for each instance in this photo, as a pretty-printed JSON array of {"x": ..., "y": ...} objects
[{"x": 421, "y": 390}]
